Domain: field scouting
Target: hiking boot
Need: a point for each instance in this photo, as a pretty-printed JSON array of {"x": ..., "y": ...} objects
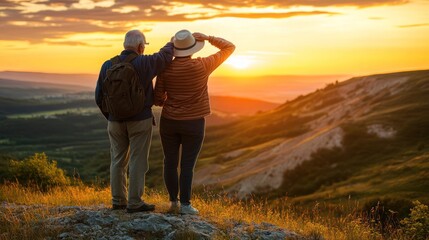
[
  {"x": 118, "y": 207},
  {"x": 188, "y": 209},
  {"x": 174, "y": 207},
  {"x": 143, "y": 208}
]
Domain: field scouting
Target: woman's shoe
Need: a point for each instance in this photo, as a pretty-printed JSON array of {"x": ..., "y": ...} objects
[{"x": 188, "y": 209}]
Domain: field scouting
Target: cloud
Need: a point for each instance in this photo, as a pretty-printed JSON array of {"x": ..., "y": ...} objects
[
  {"x": 36, "y": 20},
  {"x": 291, "y": 3},
  {"x": 76, "y": 43},
  {"x": 273, "y": 15},
  {"x": 414, "y": 25},
  {"x": 376, "y": 18}
]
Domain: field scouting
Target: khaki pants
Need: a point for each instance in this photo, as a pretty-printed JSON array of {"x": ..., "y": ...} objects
[{"x": 129, "y": 149}]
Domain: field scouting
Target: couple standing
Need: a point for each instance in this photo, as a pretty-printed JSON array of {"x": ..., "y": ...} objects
[{"x": 181, "y": 89}]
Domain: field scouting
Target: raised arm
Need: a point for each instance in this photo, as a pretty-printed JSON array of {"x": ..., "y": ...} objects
[
  {"x": 213, "y": 61},
  {"x": 160, "y": 60}
]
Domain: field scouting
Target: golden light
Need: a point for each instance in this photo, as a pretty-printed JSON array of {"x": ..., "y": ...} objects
[{"x": 240, "y": 61}]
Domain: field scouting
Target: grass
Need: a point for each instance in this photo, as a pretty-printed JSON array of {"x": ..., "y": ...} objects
[{"x": 341, "y": 221}]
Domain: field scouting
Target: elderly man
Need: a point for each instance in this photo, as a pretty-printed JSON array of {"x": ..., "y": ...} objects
[{"x": 130, "y": 137}]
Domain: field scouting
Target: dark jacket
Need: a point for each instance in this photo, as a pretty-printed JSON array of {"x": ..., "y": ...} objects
[{"x": 147, "y": 67}]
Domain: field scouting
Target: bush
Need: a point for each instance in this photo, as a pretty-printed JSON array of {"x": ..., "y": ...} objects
[
  {"x": 384, "y": 214},
  {"x": 417, "y": 225},
  {"x": 38, "y": 171}
]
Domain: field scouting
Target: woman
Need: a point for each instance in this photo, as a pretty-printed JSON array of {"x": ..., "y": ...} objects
[{"x": 182, "y": 91}]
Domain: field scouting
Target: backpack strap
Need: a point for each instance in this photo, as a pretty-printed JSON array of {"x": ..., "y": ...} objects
[
  {"x": 115, "y": 60},
  {"x": 130, "y": 57}
]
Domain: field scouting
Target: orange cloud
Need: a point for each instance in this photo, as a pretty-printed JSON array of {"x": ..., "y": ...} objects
[
  {"x": 36, "y": 21},
  {"x": 414, "y": 25}
]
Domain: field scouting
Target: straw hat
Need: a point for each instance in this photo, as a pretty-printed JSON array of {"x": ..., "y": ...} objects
[{"x": 185, "y": 44}]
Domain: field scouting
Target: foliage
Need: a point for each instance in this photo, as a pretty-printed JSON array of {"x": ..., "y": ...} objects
[
  {"x": 385, "y": 213},
  {"x": 39, "y": 171},
  {"x": 417, "y": 225}
]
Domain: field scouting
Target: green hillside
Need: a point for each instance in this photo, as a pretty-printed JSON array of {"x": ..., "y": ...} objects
[
  {"x": 365, "y": 166},
  {"x": 254, "y": 150},
  {"x": 67, "y": 125}
]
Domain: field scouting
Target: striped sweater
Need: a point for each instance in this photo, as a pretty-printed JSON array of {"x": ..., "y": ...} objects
[{"x": 182, "y": 88}]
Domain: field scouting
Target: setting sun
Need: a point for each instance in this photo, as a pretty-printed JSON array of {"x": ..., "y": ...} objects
[{"x": 240, "y": 62}]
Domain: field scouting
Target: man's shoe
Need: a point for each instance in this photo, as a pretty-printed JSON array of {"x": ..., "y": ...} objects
[
  {"x": 188, "y": 209},
  {"x": 143, "y": 208},
  {"x": 174, "y": 207},
  {"x": 118, "y": 207}
]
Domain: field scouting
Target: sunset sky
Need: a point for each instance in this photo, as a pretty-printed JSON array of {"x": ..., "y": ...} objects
[{"x": 273, "y": 37}]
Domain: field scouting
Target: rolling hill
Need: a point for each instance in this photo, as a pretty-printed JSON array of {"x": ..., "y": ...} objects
[
  {"x": 366, "y": 137},
  {"x": 65, "y": 123},
  {"x": 362, "y": 138},
  {"x": 38, "y": 98},
  {"x": 83, "y": 80},
  {"x": 279, "y": 89}
]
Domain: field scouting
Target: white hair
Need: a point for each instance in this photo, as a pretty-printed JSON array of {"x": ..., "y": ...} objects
[{"x": 133, "y": 38}]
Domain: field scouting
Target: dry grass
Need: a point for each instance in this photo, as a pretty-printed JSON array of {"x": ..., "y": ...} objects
[
  {"x": 311, "y": 223},
  {"x": 221, "y": 210}
]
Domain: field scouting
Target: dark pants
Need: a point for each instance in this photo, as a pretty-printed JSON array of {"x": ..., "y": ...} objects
[{"x": 189, "y": 135}]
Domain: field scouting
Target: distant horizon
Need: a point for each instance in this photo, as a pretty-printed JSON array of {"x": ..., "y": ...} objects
[
  {"x": 271, "y": 88},
  {"x": 281, "y": 88}
]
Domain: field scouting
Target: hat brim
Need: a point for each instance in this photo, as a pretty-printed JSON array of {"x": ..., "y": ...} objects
[{"x": 188, "y": 52}]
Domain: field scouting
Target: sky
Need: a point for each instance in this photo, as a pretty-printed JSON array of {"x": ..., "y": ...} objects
[{"x": 272, "y": 37}]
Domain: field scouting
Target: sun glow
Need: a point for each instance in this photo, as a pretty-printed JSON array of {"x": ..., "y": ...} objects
[{"x": 240, "y": 61}]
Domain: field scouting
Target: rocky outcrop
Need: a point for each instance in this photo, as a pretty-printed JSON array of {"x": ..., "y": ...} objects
[{"x": 100, "y": 222}]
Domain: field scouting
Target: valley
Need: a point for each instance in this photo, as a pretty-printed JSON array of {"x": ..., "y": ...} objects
[{"x": 363, "y": 138}]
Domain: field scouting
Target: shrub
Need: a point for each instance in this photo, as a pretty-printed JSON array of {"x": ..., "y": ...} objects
[
  {"x": 385, "y": 213},
  {"x": 417, "y": 225},
  {"x": 38, "y": 171}
]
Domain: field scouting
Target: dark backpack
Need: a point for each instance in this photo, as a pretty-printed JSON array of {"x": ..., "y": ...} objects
[{"x": 123, "y": 92}]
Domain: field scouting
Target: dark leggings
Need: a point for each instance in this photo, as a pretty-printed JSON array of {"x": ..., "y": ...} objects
[{"x": 187, "y": 136}]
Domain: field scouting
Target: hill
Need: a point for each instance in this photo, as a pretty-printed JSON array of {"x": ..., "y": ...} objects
[
  {"x": 82, "y": 80},
  {"x": 274, "y": 88},
  {"x": 63, "y": 97},
  {"x": 26, "y": 90},
  {"x": 239, "y": 106},
  {"x": 66, "y": 124},
  {"x": 280, "y": 89},
  {"x": 366, "y": 137}
]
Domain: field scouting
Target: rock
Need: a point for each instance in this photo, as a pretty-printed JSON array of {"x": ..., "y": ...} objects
[
  {"x": 263, "y": 231},
  {"x": 102, "y": 223},
  {"x": 64, "y": 235}
]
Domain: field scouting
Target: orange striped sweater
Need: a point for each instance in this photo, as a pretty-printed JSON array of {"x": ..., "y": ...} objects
[{"x": 182, "y": 88}]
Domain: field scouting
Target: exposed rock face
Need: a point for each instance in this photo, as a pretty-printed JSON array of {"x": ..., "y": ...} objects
[
  {"x": 100, "y": 222},
  {"x": 381, "y": 131}
]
